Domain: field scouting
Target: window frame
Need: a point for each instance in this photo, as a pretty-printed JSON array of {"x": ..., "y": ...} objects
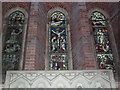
[
  {"x": 5, "y": 21},
  {"x": 70, "y": 66},
  {"x": 110, "y": 33}
]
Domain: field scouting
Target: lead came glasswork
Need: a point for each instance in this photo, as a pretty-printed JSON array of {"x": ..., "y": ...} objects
[
  {"x": 98, "y": 19},
  {"x": 58, "y": 41},
  {"x": 58, "y": 62},
  {"x": 102, "y": 42},
  {"x": 105, "y": 61},
  {"x": 13, "y": 41}
]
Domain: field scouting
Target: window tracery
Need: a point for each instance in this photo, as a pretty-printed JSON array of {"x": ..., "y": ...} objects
[
  {"x": 102, "y": 41},
  {"x": 58, "y": 41},
  {"x": 12, "y": 44}
]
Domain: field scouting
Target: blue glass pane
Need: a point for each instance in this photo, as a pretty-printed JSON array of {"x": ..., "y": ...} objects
[
  {"x": 58, "y": 41},
  {"x": 102, "y": 42}
]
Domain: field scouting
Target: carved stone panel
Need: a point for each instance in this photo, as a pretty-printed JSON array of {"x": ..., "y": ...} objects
[{"x": 60, "y": 79}]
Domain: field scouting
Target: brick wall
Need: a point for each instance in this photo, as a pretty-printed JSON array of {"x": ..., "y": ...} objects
[
  {"x": 41, "y": 39},
  {"x": 6, "y": 6},
  {"x": 83, "y": 53},
  {"x": 30, "y": 55},
  {"x": 82, "y": 47},
  {"x": 37, "y": 31},
  {"x": 113, "y": 12}
]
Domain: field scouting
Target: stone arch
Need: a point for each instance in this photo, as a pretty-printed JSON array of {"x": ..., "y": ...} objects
[
  {"x": 99, "y": 10},
  {"x": 24, "y": 31},
  {"x": 60, "y": 82},
  {"x": 41, "y": 83},
  {"x": 100, "y": 83},
  {"x": 58, "y": 9},
  {"x": 80, "y": 82},
  {"x": 110, "y": 32},
  {"x": 20, "y": 83},
  {"x": 68, "y": 35}
]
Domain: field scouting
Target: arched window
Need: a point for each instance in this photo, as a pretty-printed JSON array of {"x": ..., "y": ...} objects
[
  {"x": 58, "y": 41},
  {"x": 13, "y": 41},
  {"x": 102, "y": 41}
]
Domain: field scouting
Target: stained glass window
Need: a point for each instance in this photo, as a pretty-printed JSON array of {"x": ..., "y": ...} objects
[
  {"x": 102, "y": 41},
  {"x": 12, "y": 44},
  {"x": 58, "y": 41}
]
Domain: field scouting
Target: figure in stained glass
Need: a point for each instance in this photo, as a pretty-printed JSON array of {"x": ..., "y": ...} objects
[
  {"x": 58, "y": 41},
  {"x": 102, "y": 42},
  {"x": 13, "y": 41}
]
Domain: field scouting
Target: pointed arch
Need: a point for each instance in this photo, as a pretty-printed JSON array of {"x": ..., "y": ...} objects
[
  {"x": 14, "y": 29},
  {"x": 102, "y": 42},
  {"x": 58, "y": 47}
]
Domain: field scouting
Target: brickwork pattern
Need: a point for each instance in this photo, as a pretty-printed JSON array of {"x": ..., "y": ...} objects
[
  {"x": 82, "y": 47},
  {"x": 81, "y": 39},
  {"x": 6, "y": 6},
  {"x": 35, "y": 54},
  {"x": 83, "y": 52},
  {"x": 113, "y": 11},
  {"x": 41, "y": 38}
]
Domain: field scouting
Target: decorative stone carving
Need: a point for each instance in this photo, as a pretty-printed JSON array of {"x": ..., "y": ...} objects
[{"x": 60, "y": 79}]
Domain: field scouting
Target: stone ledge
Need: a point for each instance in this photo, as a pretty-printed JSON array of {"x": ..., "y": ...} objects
[{"x": 60, "y": 79}]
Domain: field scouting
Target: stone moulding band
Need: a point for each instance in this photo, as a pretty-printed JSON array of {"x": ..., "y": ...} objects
[{"x": 60, "y": 79}]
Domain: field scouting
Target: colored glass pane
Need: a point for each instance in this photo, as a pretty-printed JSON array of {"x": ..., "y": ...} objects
[
  {"x": 58, "y": 41},
  {"x": 102, "y": 41},
  {"x": 12, "y": 44}
]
